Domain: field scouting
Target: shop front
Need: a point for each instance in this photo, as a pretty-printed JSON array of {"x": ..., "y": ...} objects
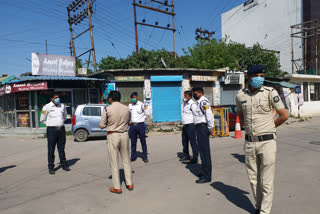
[{"x": 22, "y": 100}]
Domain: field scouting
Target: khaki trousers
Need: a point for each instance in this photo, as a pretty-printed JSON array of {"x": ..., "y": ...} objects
[
  {"x": 119, "y": 143},
  {"x": 260, "y": 162}
]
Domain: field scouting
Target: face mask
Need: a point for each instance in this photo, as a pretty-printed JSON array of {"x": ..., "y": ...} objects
[
  {"x": 257, "y": 82},
  {"x": 195, "y": 97},
  {"x": 134, "y": 100},
  {"x": 57, "y": 101},
  {"x": 185, "y": 100}
]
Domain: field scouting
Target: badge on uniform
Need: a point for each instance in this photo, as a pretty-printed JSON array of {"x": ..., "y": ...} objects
[
  {"x": 43, "y": 112},
  {"x": 276, "y": 99},
  {"x": 205, "y": 106}
]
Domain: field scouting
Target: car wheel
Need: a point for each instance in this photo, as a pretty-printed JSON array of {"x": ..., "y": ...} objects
[{"x": 81, "y": 135}]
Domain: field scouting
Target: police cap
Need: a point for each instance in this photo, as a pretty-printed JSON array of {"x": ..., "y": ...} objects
[{"x": 256, "y": 69}]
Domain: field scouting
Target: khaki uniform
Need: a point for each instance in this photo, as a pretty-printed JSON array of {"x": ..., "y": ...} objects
[
  {"x": 116, "y": 118},
  {"x": 260, "y": 156}
]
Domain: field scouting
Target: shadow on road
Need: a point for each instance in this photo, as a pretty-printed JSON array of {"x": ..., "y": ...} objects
[
  {"x": 235, "y": 195},
  {"x": 2, "y": 169},
  {"x": 240, "y": 158},
  {"x": 69, "y": 162}
]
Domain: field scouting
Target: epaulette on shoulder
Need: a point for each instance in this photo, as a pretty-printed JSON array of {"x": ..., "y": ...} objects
[{"x": 268, "y": 88}]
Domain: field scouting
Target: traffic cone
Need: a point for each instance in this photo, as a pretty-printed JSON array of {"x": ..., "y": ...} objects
[{"x": 237, "y": 134}]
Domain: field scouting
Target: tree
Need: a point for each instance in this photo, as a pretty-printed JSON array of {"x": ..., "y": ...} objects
[{"x": 214, "y": 54}]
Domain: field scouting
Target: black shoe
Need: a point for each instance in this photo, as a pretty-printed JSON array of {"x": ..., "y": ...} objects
[
  {"x": 192, "y": 161},
  {"x": 66, "y": 168},
  {"x": 133, "y": 159},
  {"x": 52, "y": 172},
  {"x": 203, "y": 180},
  {"x": 146, "y": 160},
  {"x": 184, "y": 159},
  {"x": 257, "y": 212}
]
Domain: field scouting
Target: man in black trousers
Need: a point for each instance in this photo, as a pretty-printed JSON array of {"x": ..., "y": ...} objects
[
  {"x": 53, "y": 116},
  {"x": 188, "y": 129},
  {"x": 203, "y": 120}
]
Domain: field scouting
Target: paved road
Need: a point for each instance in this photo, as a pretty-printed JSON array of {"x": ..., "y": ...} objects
[{"x": 163, "y": 185}]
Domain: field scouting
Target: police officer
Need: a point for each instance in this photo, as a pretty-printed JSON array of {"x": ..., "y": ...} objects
[
  {"x": 188, "y": 129},
  {"x": 203, "y": 120},
  {"x": 139, "y": 113},
  {"x": 53, "y": 116},
  {"x": 255, "y": 106},
  {"x": 116, "y": 117}
]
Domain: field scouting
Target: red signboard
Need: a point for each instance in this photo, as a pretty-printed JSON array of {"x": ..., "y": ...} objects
[{"x": 18, "y": 87}]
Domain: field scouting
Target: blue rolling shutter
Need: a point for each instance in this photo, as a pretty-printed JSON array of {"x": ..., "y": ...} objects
[{"x": 166, "y": 98}]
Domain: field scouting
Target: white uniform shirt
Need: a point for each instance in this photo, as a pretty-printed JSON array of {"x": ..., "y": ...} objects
[
  {"x": 189, "y": 109},
  {"x": 139, "y": 112},
  {"x": 53, "y": 115},
  {"x": 204, "y": 113}
]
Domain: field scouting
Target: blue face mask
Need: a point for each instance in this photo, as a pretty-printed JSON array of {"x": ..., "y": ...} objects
[
  {"x": 257, "y": 82},
  {"x": 57, "y": 101},
  {"x": 134, "y": 100}
]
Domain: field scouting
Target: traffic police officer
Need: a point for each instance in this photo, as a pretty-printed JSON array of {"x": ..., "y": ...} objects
[
  {"x": 116, "y": 117},
  {"x": 255, "y": 106},
  {"x": 53, "y": 116},
  {"x": 139, "y": 113},
  {"x": 188, "y": 129},
  {"x": 204, "y": 121}
]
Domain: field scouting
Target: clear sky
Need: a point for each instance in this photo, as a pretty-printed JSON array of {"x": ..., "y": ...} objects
[{"x": 27, "y": 24}]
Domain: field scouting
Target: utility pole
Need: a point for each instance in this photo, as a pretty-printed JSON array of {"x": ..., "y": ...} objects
[
  {"x": 203, "y": 35},
  {"x": 77, "y": 19},
  {"x": 307, "y": 32},
  {"x": 143, "y": 23}
]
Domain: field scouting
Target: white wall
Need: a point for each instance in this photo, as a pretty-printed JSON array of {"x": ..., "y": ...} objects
[{"x": 268, "y": 24}]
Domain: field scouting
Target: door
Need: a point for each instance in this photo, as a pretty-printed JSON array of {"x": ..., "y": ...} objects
[
  {"x": 91, "y": 117},
  {"x": 166, "y": 101}
]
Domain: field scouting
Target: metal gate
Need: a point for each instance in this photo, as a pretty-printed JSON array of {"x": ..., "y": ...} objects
[{"x": 221, "y": 121}]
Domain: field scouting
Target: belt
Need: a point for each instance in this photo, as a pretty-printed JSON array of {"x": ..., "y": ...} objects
[
  {"x": 200, "y": 124},
  {"x": 112, "y": 132},
  {"x": 259, "y": 138},
  {"x": 56, "y": 127},
  {"x": 137, "y": 123}
]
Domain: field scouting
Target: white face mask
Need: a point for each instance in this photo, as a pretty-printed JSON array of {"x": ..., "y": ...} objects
[{"x": 185, "y": 99}]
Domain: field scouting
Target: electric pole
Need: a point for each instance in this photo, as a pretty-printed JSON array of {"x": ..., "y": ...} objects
[
  {"x": 143, "y": 23},
  {"x": 203, "y": 35},
  {"x": 77, "y": 19}
]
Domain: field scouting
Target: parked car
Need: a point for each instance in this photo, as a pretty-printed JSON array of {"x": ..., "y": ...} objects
[
  {"x": 232, "y": 116},
  {"x": 85, "y": 122}
]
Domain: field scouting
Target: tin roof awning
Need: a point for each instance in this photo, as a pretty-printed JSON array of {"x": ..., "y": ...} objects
[
  {"x": 6, "y": 79},
  {"x": 35, "y": 78},
  {"x": 283, "y": 84}
]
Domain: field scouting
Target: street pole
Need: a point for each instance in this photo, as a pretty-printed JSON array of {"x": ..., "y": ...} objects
[
  {"x": 136, "y": 25},
  {"x": 47, "y": 47},
  {"x": 174, "y": 32},
  {"x": 91, "y": 35}
]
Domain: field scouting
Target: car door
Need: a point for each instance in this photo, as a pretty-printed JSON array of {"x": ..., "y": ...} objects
[{"x": 92, "y": 116}]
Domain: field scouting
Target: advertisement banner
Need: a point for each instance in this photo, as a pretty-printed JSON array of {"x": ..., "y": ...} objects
[
  {"x": 53, "y": 65},
  {"x": 18, "y": 87}
]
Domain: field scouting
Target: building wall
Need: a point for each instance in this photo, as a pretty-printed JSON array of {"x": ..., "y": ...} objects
[{"x": 267, "y": 23}]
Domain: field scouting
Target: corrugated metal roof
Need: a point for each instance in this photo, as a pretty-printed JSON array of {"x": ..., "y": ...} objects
[
  {"x": 32, "y": 78},
  {"x": 6, "y": 79}
]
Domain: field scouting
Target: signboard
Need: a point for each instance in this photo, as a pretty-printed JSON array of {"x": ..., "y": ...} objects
[
  {"x": 18, "y": 87},
  {"x": 129, "y": 78},
  {"x": 204, "y": 78},
  {"x": 53, "y": 65},
  {"x": 297, "y": 90},
  {"x": 234, "y": 78}
]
